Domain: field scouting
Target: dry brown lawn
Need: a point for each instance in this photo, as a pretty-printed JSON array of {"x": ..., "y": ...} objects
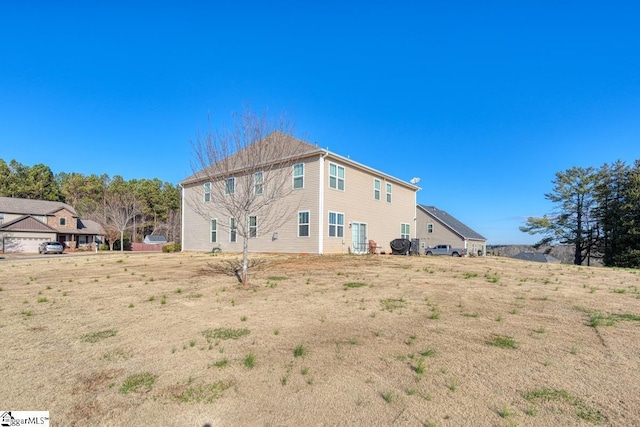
[{"x": 158, "y": 339}]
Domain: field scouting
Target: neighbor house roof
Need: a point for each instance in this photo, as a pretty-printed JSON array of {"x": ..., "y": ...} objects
[
  {"x": 32, "y": 207},
  {"x": 297, "y": 148},
  {"x": 452, "y": 223},
  {"x": 536, "y": 256}
]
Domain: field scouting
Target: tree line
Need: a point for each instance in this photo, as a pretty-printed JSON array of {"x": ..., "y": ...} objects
[
  {"x": 597, "y": 211},
  {"x": 134, "y": 207}
]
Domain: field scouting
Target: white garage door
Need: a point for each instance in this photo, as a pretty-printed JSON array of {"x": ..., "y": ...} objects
[{"x": 22, "y": 244}]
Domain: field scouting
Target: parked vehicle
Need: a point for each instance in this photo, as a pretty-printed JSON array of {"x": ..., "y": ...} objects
[
  {"x": 445, "y": 250},
  {"x": 50, "y": 248}
]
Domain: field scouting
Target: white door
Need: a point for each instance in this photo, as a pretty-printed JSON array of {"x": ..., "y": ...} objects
[{"x": 359, "y": 237}]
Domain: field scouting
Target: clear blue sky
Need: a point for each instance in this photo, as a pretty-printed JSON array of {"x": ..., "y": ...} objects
[{"x": 484, "y": 101}]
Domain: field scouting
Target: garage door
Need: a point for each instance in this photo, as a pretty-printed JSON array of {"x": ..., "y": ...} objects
[{"x": 22, "y": 244}]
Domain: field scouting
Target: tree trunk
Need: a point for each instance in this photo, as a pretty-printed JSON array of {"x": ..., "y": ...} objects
[
  {"x": 245, "y": 251},
  {"x": 121, "y": 241}
]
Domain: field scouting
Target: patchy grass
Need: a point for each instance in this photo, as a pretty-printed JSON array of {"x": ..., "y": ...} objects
[
  {"x": 582, "y": 410},
  {"x": 94, "y": 337},
  {"x": 225, "y": 333},
  {"x": 503, "y": 342},
  {"x": 138, "y": 383}
]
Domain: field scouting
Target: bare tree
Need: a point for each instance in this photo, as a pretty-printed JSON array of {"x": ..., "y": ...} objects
[
  {"x": 248, "y": 171},
  {"x": 119, "y": 211}
]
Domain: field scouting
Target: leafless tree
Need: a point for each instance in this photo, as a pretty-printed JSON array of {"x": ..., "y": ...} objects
[
  {"x": 119, "y": 210},
  {"x": 249, "y": 171}
]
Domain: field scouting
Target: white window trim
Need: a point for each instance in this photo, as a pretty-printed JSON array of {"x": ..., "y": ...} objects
[
  {"x": 389, "y": 187},
  {"x": 62, "y": 221},
  {"x": 308, "y": 223},
  {"x": 256, "y": 184},
  {"x": 430, "y": 231},
  {"x": 254, "y": 227},
  {"x": 226, "y": 186},
  {"x": 337, "y": 177},
  {"x": 337, "y": 224},
  {"x": 233, "y": 229},
  {"x": 207, "y": 192},
  {"x": 294, "y": 176},
  {"x": 406, "y": 227},
  {"x": 211, "y": 230},
  {"x": 377, "y": 192}
]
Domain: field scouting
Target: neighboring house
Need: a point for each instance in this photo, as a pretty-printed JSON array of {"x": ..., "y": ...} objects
[
  {"x": 536, "y": 257},
  {"x": 341, "y": 205},
  {"x": 25, "y": 223},
  {"x": 437, "y": 227}
]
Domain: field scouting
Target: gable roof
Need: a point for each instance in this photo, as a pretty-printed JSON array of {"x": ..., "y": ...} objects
[
  {"x": 16, "y": 205},
  {"x": 298, "y": 148},
  {"x": 452, "y": 223},
  {"x": 536, "y": 256},
  {"x": 26, "y": 223},
  {"x": 266, "y": 149}
]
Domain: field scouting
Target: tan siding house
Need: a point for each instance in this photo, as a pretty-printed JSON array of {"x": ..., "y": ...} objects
[
  {"x": 437, "y": 227},
  {"x": 338, "y": 204}
]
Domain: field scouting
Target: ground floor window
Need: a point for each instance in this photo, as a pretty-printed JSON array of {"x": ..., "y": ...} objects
[
  {"x": 233, "y": 235},
  {"x": 405, "y": 231},
  {"x": 253, "y": 226},
  {"x": 336, "y": 224},
  {"x": 214, "y": 231},
  {"x": 303, "y": 224}
]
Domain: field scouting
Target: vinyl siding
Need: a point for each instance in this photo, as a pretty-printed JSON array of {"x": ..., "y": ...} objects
[
  {"x": 196, "y": 235},
  {"x": 357, "y": 202},
  {"x": 442, "y": 235}
]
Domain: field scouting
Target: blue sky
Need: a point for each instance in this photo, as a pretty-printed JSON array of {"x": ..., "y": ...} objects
[{"x": 484, "y": 101}]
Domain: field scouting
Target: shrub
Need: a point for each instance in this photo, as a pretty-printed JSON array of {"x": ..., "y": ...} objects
[{"x": 173, "y": 247}]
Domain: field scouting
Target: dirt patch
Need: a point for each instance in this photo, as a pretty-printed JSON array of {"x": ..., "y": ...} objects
[{"x": 319, "y": 340}]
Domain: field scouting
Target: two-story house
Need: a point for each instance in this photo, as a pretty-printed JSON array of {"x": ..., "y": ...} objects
[
  {"x": 25, "y": 223},
  {"x": 338, "y": 205}
]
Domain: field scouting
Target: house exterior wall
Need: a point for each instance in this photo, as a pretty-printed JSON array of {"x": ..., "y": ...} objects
[
  {"x": 25, "y": 234},
  {"x": 383, "y": 219},
  {"x": 441, "y": 235},
  {"x": 197, "y": 233},
  {"x": 357, "y": 203},
  {"x": 71, "y": 222}
]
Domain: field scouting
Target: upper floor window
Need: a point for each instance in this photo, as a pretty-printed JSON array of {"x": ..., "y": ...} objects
[
  {"x": 230, "y": 186},
  {"x": 1, "y": 218},
  {"x": 214, "y": 230},
  {"x": 336, "y": 224},
  {"x": 336, "y": 176},
  {"x": 303, "y": 224},
  {"x": 258, "y": 183},
  {"x": 376, "y": 189},
  {"x": 388, "y": 193},
  {"x": 429, "y": 228},
  {"x": 207, "y": 191},
  {"x": 253, "y": 226},
  {"x": 298, "y": 175},
  {"x": 62, "y": 221},
  {"x": 233, "y": 234},
  {"x": 405, "y": 231}
]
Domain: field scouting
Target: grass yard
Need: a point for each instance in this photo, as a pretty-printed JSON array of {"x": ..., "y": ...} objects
[{"x": 159, "y": 339}]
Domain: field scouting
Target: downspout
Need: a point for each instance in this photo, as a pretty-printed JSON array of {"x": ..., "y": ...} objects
[
  {"x": 321, "y": 205},
  {"x": 181, "y": 217}
]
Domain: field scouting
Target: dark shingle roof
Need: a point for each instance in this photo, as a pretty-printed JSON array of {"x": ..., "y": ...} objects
[
  {"x": 451, "y": 222},
  {"x": 32, "y": 207}
]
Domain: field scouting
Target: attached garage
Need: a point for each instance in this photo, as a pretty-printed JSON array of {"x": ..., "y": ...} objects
[{"x": 22, "y": 244}]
